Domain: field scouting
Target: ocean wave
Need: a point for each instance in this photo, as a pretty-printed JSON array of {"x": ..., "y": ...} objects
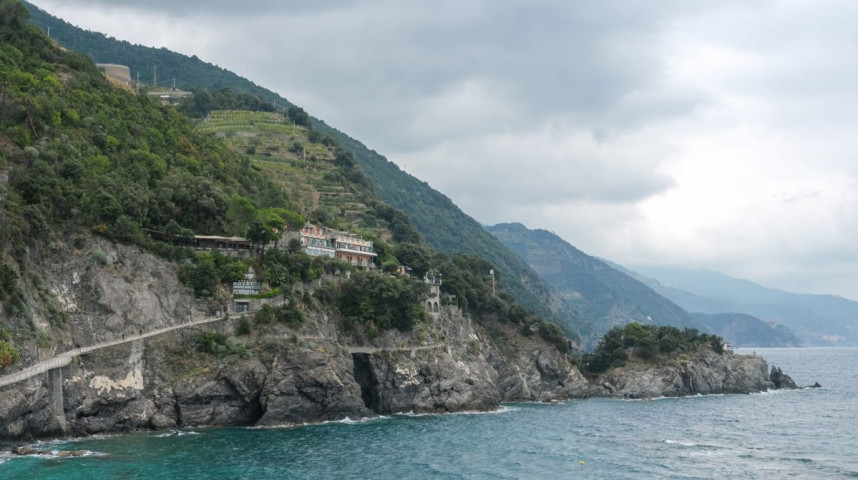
[
  {"x": 56, "y": 454},
  {"x": 349, "y": 421},
  {"x": 177, "y": 433},
  {"x": 501, "y": 409},
  {"x": 342, "y": 421},
  {"x": 68, "y": 440},
  {"x": 678, "y": 442}
]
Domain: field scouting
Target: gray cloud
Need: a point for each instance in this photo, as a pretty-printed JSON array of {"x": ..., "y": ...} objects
[{"x": 718, "y": 134}]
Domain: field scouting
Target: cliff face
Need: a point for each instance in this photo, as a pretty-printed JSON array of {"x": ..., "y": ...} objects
[
  {"x": 703, "y": 372},
  {"x": 291, "y": 375},
  {"x": 110, "y": 292}
]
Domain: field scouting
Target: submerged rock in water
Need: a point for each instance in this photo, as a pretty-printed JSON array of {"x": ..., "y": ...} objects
[{"x": 25, "y": 450}]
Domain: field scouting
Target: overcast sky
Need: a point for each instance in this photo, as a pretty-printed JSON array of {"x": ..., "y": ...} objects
[{"x": 718, "y": 135}]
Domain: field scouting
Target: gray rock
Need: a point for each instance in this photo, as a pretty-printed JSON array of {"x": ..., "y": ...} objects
[
  {"x": 781, "y": 380},
  {"x": 703, "y": 372},
  {"x": 291, "y": 376}
]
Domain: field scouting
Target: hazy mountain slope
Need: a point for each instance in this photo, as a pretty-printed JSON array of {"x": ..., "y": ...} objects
[
  {"x": 443, "y": 225},
  {"x": 816, "y": 319},
  {"x": 741, "y": 330},
  {"x": 605, "y": 296},
  {"x": 689, "y": 302}
]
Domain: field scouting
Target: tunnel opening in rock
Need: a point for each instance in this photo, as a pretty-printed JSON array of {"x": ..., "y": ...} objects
[{"x": 365, "y": 377}]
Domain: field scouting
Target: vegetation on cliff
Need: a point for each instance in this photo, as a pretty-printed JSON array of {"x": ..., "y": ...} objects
[
  {"x": 82, "y": 155},
  {"x": 646, "y": 341},
  {"x": 443, "y": 225}
]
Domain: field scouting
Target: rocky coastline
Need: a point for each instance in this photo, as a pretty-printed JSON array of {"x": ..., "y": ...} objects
[{"x": 311, "y": 373}]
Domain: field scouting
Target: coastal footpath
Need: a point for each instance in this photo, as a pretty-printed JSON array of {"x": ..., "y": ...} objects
[{"x": 287, "y": 375}]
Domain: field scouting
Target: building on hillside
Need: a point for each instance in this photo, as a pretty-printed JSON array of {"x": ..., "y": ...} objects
[
  {"x": 353, "y": 249},
  {"x": 217, "y": 242},
  {"x": 247, "y": 286},
  {"x": 318, "y": 241},
  {"x": 433, "y": 279}
]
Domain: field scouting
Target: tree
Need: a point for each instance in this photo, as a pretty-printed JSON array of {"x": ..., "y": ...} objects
[
  {"x": 298, "y": 116},
  {"x": 641, "y": 339},
  {"x": 239, "y": 215},
  {"x": 387, "y": 302},
  {"x": 258, "y": 233}
]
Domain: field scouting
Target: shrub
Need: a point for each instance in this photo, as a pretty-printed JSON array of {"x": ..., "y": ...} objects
[
  {"x": 100, "y": 257},
  {"x": 552, "y": 334},
  {"x": 210, "y": 342},
  {"x": 219, "y": 344},
  {"x": 8, "y": 354},
  {"x": 646, "y": 341},
  {"x": 287, "y": 314},
  {"x": 243, "y": 327}
]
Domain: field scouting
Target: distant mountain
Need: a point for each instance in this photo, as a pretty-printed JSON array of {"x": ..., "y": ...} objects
[
  {"x": 604, "y": 296},
  {"x": 741, "y": 330},
  {"x": 815, "y": 319},
  {"x": 442, "y": 223}
]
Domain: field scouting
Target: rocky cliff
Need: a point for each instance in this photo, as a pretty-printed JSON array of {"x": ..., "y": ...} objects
[
  {"x": 282, "y": 375},
  {"x": 702, "y": 372}
]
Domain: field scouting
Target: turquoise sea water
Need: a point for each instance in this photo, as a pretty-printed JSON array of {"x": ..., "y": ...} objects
[{"x": 809, "y": 433}]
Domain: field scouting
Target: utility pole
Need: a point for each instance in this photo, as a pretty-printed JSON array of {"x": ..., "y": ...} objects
[
  {"x": 155, "y": 77},
  {"x": 138, "y": 82}
]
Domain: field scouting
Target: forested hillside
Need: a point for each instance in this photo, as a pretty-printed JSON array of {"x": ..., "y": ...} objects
[
  {"x": 80, "y": 157},
  {"x": 443, "y": 225}
]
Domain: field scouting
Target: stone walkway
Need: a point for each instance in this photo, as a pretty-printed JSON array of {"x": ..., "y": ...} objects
[{"x": 63, "y": 359}]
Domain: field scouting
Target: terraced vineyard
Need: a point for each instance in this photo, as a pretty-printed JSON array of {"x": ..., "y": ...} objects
[{"x": 302, "y": 162}]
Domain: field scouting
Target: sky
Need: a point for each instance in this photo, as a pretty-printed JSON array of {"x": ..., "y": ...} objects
[{"x": 714, "y": 135}]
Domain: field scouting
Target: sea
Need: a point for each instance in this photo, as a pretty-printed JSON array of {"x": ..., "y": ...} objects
[{"x": 807, "y": 433}]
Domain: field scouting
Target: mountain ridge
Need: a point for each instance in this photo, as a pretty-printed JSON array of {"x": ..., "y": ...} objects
[
  {"x": 816, "y": 319},
  {"x": 604, "y": 296},
  {"x": 613, "y": 295}
]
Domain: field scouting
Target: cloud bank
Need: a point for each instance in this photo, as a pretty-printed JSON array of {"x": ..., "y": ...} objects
[{"x": 706, "y": 134}]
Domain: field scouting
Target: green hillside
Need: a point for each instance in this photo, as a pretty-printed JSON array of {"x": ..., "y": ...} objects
[
  {"x": 443, "y": 225},
  {"x": 314, "y": 171},
  {"x": 80, "y": 157}
]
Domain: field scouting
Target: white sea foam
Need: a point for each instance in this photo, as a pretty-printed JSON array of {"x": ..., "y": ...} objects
[
  {"x": 349, "y": 421},
  {"x": 54, "y": 454},
  {"x": 342, "y": 421},
  {"x": 177, "y": 433},
  {"x": 502, "y": 409},
  {"x": 678, "y": 442}
]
